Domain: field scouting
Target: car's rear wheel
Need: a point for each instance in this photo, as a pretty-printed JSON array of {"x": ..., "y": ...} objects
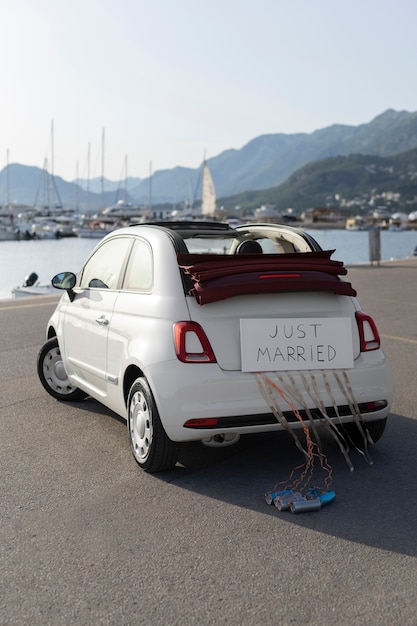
[
  {"x": 354, "y": 435},
  {"x": 52, "y": 373},
  {"x": 151, "y": 447}
]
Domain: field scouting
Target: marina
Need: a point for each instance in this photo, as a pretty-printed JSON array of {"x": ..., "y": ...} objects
[{"x": 47, "y": 257}]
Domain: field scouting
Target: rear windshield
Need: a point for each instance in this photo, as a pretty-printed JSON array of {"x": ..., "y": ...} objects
[{"x": 241, "y": 243}]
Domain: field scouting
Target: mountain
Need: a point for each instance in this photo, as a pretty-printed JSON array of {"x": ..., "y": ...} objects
[
  {"x": 264, "y": 163},
  {"x": 356, "y": 183},
  {"x": 94, "y": 184},
  {"x": 269, "y": 160},
  {"x": 32, "y": 186}
]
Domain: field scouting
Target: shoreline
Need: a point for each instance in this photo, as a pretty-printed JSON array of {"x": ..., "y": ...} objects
[
  {"x": 342, "y": 226},
  {"x": 46, "y": 257},
  {"x": 408, "y": 261}
]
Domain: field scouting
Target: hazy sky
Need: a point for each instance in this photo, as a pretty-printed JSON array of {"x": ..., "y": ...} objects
[{"x": 169, "y": 80}]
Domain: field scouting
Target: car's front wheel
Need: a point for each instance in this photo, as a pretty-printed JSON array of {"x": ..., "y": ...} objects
[
  {"x": 52, "y": 373},
  {"x": 151, "y": 447}
]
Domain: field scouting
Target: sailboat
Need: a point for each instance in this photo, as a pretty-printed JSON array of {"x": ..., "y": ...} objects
[
  {"x": 207, "y": 210},
  {"x": 208, "y": 193},
  {"x": 7, "y": 229},
  {"x": 123, "y": 208}
]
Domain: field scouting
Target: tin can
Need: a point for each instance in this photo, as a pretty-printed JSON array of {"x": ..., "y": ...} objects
[
  {"x": 284, "y": 501},
  {"x": 304, "y": 505},
  {"x": 270, "y": 495}
]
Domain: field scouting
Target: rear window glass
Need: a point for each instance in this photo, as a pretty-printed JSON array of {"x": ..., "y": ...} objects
[
  {"x": 230, "y": 245},
  {"x": 207, "y": 244}
]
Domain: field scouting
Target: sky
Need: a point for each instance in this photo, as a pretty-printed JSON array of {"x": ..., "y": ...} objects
[{"x": 136, "y": 86}]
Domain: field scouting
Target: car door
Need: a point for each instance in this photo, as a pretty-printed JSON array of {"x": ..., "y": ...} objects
[
  {"x": 89, "y": 316},
  {"x": 134, "y": 316}
]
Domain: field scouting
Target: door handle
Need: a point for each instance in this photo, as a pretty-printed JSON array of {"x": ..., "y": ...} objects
[{"x": 103, "y": 321}]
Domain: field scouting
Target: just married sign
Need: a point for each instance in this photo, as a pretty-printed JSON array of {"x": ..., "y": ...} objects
[{"x": 296, "y": 344}]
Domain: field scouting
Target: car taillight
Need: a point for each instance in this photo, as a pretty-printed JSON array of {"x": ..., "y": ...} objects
[
  {"x": 375, "y": 405},
  {"x": 280, "y": 275},
  {"x": 202, "y": 422},
  {"x": 368, "y": 333},
  {"x": 191, "y": 343}
]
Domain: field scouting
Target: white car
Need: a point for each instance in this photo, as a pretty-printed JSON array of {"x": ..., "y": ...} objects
[{"x": 199, "y": 331}]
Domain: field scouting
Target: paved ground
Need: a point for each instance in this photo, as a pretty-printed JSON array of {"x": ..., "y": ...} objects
[{"x": 88, "y": 538}]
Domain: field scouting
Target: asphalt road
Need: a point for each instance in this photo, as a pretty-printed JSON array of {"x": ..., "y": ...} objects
[{"x": 89, "y": 538}]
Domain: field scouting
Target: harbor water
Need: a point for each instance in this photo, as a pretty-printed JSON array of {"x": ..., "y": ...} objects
[{"x": 49, "y": 256}]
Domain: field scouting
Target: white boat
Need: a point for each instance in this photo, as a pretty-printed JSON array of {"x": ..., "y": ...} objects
[
  {"x": 207, "y": 210},
  {"x": 32, "y": 287},
  {"x": 356, "y": 223},
  {"x": 44, "y": 228},
  {"x": 8, "y": 233},
  {"x": 123, "y": 210},
  {"x": 94, "y": 229},
  {"x": 65, "y": 225},
  {"x": 398, "y": 222},
  {"x": 266, "y": 214},
  {"x": 233, "y": 221}
]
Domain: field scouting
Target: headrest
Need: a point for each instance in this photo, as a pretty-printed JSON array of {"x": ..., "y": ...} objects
[{"x": 249, "y": 247}]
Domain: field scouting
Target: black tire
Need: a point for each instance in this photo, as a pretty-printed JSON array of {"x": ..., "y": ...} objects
[
  {"x": 353, "y": 435},
  {"x": 150, "y": 445},
  {"x": 52, "y": 374}
]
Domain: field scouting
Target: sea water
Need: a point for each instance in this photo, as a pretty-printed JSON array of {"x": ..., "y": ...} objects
[
  {"x": 49, "y": 256},
  {"x": 45, "y": 257},
  {"x": 352, "y": 247}
]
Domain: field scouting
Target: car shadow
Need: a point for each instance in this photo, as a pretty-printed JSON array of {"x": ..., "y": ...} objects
[
  {"x": 375, "y": 504},
  {"x": 90, "y": 405}
]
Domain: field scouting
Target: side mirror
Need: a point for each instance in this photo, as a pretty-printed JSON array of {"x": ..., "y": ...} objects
[{"x": 65, "y": 280}]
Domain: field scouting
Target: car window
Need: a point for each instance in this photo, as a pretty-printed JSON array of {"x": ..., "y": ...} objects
[
  {"x": 203, "y": 244},
  {"x": 103, "y": 269},
  {"x": 277, "y": 239},
  {"x": 268, "y": 246},
  {"x": 139, "y": 273},
  {"x": 270, "y": 243}
]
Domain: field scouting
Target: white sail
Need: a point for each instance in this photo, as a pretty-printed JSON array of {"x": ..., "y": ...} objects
[{"x": 208, "y": 194}]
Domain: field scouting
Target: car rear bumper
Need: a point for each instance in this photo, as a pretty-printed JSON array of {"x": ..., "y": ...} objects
[{"x": 186, "y": 392}]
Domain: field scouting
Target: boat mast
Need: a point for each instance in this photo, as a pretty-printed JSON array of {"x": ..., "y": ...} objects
[
  {"x": 46, "y": 187},
  {"x": 126, "y": 177},
  {"x": 52, "y": 148},
  {"x": 102, "y": 172},
  {"x": 7, "y": 203},
  {"x": 51, "y": 177},
  {"x": 77, "y": 189},
  {"x": 88, "y": 178},
  {"x": 52, "y": 183},
  {"x": 150, "y": 187}
]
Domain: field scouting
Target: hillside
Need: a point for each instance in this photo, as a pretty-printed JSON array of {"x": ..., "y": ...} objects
[
  {"x": 355, "y": 183},
  {"x": 269, "y": 160},
  {"x": 264, "y": 163},
  {"x": 32, "y": 186}
]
